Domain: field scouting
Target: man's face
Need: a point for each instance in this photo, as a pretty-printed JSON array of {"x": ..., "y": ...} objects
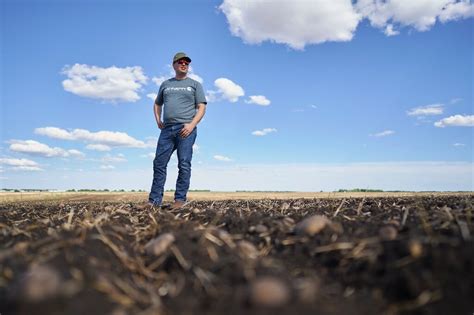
[{"x": 181, "y": 66}]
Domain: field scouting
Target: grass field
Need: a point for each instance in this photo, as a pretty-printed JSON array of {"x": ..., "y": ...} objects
[{"x": 203, "y": 196}]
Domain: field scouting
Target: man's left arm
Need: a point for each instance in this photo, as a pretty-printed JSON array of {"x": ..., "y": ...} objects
[{"x": 189, "y": 127}]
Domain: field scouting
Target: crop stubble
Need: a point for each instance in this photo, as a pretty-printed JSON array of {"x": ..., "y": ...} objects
[{"x": 372, "y": 255}]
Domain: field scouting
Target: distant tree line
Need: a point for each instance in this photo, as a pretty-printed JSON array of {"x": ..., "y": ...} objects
[
  {"x": 360, "y": 190},
  {"x": 191, "y": 190},
  {"x": 264, "y": 191},
  {"x": 104, "y": 190},
  {"x": 23, "y": 190}
]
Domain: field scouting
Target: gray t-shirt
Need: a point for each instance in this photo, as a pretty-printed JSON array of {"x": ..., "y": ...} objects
[{"x": 180, "y": 99}]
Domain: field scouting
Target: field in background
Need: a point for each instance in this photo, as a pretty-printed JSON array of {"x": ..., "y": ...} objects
[{"x": 203, "y": 196}]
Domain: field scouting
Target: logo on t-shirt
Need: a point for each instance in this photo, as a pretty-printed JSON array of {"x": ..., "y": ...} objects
[{"x": 178, "y": 89}]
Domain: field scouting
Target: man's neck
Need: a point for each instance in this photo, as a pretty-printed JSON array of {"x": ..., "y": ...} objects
[{"x": 180, "y": 77}]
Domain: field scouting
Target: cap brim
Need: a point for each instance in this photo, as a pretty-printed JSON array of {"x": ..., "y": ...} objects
[{"x": 183, "y": 58}]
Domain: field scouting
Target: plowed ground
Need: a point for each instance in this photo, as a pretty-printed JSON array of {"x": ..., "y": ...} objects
[{"x": 397, "y": 255}]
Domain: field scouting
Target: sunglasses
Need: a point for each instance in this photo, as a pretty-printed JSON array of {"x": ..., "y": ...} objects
[{"x": 182, "y": 62}]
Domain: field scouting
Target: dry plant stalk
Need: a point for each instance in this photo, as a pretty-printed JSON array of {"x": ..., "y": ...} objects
[
  {"x": 424, "y": 222},
  {"x": 131, "y": 292},
  {"x": 424, "y": 298},
  {"x": 204, "y": 278},
  {"x": 463, "y": 228},
  {"x": 67, "y": 226},
  {"x": 361, "y": 206},
  {"x": 405, "y": 216},
  {"x": 333, "y": 247},
  {"x": 105, "y": 286},
  {"x": 179, "y": 257},
  {"x": 340, "y": 207},
  {"x": 212, "y": 253}
]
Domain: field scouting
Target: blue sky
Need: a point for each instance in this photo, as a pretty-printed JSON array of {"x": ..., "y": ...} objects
[{"x": 303, "y": 95}]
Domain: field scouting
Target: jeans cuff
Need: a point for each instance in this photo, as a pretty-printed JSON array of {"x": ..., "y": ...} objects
[{"x": 154, "y": 202}]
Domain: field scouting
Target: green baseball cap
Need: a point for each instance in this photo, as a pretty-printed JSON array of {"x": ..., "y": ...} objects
[{"x": 181, "y": 55}]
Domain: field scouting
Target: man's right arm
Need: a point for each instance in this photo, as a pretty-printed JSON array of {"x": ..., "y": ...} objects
[
  {"x": 157, "y": 111},
  {"x": 158, "y": 107}
]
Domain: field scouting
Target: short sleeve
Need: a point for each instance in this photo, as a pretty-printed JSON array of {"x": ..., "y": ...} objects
[
  {"x": 200, "y": 97},
  {"x": 159, "y": 97}
]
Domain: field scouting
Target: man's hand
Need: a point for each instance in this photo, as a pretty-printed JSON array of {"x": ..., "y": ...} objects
[
  {"x": 187, "y": 129},
  {"x": 161, "y": 125}
]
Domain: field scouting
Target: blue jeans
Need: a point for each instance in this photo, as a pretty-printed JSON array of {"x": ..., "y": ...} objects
[{"x": 169, "y": 141}]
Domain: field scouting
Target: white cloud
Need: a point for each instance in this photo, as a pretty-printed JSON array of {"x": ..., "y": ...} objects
[
  {"x": 17, "y": 162},
  {"x": 109, "y": 84},
  {"x": 389, "y": 31},
  {"x": 434, "y": 109},
  {"x": 151, "y": 142},
  {"x": 383, "y": 133},
  {"x": 295, "y": 23},
  {"x": 27, "y": 168},
  {"x": 193, "y": 75},
  {"x": 258, "y": 99},
  {"x": 459, "y": 144},
  {"x": 222, "y": 158},
  {"x": 455, "y": 100},
  {"x": 21, "y": 164},
  {"x": 226, "y": 89},
  {"x": 456, "y": 10},
  {"x": 98, "y": 147},
  {"x": 456, "y": 121},
  {"x": 54, "y": 132},
  {"x": 37, "y": 148},
  {"x": 109, "y": 138},
  {"x": 263, "y": 132},
  {"x": 159, "y": 80},
  {"x": 114, "y": 159},
  {"x": 150, "y": 155},
  {"x": 76, "y": 153},
  {"x": 152, "y": 96},
  {"x": 298, "y": 23},
  {"x": 107, "y": 167},
  {"x": 195, "y": 148},
  {"x": 420, "y": 14},
  {"x": 212, "y": 96}
]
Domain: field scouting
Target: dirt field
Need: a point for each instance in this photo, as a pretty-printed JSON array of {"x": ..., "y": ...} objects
[
  {"x": 202, "y": 196},
  {"x": 364, "y": 254}
]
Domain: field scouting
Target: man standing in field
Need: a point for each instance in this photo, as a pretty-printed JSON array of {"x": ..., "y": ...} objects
[{"x": 183, "y": 104}]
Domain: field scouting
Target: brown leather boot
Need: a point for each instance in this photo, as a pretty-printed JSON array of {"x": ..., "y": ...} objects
[{"x": 177, "y": 205}]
